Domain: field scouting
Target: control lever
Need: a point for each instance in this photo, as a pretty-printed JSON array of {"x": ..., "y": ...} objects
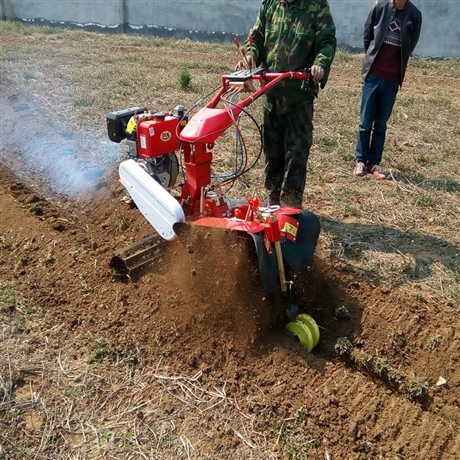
[{"x": 243, "y": 53}]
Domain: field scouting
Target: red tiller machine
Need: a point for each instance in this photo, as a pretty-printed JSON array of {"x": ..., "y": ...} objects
[{"x": 284, "y": 238}]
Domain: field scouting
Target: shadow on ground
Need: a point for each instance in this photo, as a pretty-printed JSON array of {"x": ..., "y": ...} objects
[{"x": 351, "y": 240}]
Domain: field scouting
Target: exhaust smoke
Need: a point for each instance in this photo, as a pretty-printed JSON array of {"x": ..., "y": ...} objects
[{"x": 66, "y": 164}]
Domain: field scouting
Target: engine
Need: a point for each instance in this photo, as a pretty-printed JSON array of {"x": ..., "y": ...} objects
[{"x": 152, "y": 139}]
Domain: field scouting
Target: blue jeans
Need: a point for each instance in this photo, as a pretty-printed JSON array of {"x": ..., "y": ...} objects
[{"x": 377, "y": 102}]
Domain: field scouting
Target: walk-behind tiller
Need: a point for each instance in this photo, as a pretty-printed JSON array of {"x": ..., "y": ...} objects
[{"x": 285, "y": 238}]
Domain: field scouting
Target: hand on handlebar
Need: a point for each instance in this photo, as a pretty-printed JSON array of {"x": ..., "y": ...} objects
[
  {"x": 317, "y": 73},
  {"x": 243, "y": 65}
]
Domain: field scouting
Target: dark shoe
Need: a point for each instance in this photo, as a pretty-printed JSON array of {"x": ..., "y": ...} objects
[
  {"x": 360, "y": 169},
  {"x": 376, "y": 171}
]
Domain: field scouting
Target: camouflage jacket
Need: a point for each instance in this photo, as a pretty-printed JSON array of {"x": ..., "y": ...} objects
[{"x": 293, "y": 36}]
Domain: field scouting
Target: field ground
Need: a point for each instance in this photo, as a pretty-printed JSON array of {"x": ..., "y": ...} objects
[{"x": 176, "y": 366}]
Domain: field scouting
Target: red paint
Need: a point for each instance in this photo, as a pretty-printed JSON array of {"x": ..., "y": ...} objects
[{"x": 155, "y": 137}]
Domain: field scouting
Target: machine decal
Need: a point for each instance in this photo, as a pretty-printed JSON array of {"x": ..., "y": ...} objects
[{"x": 165, "y": 136}]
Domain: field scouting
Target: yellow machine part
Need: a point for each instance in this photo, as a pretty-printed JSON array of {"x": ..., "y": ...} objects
[
  {"x": 306, "y": 330},
  {"x": 311, "y": 323},
  {"x": 131, "y": 125}
]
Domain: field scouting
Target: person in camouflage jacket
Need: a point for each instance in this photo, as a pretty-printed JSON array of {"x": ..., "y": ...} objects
[{"x": 291, "y": 35}]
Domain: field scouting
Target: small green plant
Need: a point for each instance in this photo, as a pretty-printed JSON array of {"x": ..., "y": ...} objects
[
  {"x": 397, "y": 340},
  {"x": 434, "y": 341},
  {"x": 106, "y": 438},
  {"x": 366, "y": 360},
  {"x": 382, "y": 366},
  {"x": 418, "y": 386},
  {"x": 5, "y": 241},
  {"x": 343, "y": 346},
  {"x": 48, "y": 258},
  {"x": 394, "y": 376},
  {"x": 185, "y": 79},
  {"x": 14, "y": 414},
  {"x": 424, "y": 200},
  {"x": 129, "y": 354},
  {"x": 28, "y": 75},
  {"x": 101, "y": 349},
  {"x": 123, "y": 224},
  {"x": 453, "y": 273},
  {"x": 353, "y": 210},
  {"x": 302, "y": 416},
  {"x": 48, "y": 30}
]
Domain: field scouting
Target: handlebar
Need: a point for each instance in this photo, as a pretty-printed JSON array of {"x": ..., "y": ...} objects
[
  {"x": 259, "y": 73},
  {"x": 266, "y": 79},
  {"x": 210, "y": 122}
]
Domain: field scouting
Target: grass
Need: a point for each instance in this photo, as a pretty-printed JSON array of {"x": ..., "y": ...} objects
[{"x": 400, "y": 233}]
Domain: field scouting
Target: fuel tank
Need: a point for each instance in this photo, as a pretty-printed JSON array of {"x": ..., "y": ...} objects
[{"x": 157, "y": 135}]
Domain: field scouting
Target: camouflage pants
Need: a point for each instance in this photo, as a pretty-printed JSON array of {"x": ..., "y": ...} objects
[{"x": 287, "y": 142}]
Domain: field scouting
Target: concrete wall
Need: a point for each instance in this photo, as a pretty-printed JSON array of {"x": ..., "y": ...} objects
[
  {"x": 106, "y": 12},
  {"x": 221, "y": 19}
]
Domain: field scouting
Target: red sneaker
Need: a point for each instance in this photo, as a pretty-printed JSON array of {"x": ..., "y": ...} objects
[
  {"x": 360, "y": 169},
  {"x": 376, "y": 171}
]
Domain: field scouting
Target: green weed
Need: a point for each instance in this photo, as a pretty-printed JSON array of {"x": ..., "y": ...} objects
[
  {"x": 106, "y": 438},
  {"x": 27, "y": 75},
  {"x": 418, "y": 386},
  {"x": 434, "y": 341},
  {"x": 425, "y": 200},
  {"x": 366, "y": 361},
  {"x": 101, "y": 349},
  {"x": 382, "y": 366},
  {"x": 343, "y": 346},
  {"x": 185, "y": 79},
  {"x": 396, "y": 339}
]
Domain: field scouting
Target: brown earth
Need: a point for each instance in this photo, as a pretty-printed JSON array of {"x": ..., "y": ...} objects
[{"x": 190, "y": 324}]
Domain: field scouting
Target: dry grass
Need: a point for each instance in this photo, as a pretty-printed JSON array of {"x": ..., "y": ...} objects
[{"x": 402, "y": 232}]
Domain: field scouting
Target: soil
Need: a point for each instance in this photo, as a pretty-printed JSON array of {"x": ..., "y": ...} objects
[{"x": 198, "y": 313}]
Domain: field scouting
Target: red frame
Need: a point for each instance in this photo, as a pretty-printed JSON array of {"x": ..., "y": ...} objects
[{"x": 202, "y": 130}]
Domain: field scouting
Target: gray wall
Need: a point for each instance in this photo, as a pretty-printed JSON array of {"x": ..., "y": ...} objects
[
  {"x": 220, "y": 19},
  {"x": 107, "y": 12}
]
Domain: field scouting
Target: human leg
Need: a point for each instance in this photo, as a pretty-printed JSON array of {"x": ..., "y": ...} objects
[
  {"x": 298, "y": 137},
  {"x": 369, "y": 100},
  {"x": 274, "y": 154},
  {"x": 386, "y": 99}
]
